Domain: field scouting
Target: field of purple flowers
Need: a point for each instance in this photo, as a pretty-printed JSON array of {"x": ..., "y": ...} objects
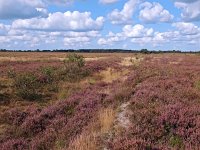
[
  {"x": 164, "y": 107},
  {"x": 159, "y": 94}
]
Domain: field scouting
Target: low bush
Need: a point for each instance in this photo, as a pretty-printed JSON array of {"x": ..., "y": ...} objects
[
  {"x": 47, "y": 75},
  {"x": 11, "y": 73},
  {"x": 45, "y": 81},
  {"x": 73, "y": 70},
  {"x": 76, "y": 59},
  {"x": 27, "y": 86}
]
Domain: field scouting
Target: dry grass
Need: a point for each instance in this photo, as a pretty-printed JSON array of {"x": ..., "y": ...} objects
[
  {"x": 129, "y": 61},
  {"x": 88, "y": 140},
  {"x": 2, "y": 128},
  {"x": 25, "y": 57},
  {"x": 66, "y": 89},
  {"x": 55, "y": 56},
  {"x": 111, "y": 75},
  {"x": 106, "y": 119}
]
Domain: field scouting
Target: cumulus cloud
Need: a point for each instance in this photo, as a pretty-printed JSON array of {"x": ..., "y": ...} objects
[
  {"x": 128, "y": 32},
  {"x": 187, "y": 28},
  {"x": 111, "y": 40},
  {"x": 68, "y": 21},
  {"x": 158, "y": 38},
  {"x": 10, "y": 9},
  {"x": 91, "y": 34},
  {"x": 162, "y": 37},
  {"x": 29, "y": 39},
  {"x": 125, "y": 15},
  {"x": 15, "y": 39},
  {"x": 136, "y": 31},
  {"x": 154, "y": 12},
  {"x": 107, "y": 1},
  {"x": 78, "y": 41},
  {"x": 4, "y": 29},
  {"x": 190, "y": 10},
  {"x": 138, "y": 34}
]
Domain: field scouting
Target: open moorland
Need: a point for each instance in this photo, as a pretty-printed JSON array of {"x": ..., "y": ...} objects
[{"x": 99, "y": 101}]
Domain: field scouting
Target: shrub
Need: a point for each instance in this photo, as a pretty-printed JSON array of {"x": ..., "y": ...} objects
[
  {"x": 27, "y": 86},
  {"x": 74, "y": 70},
  {"x": 47, "y": 75},
  {"x": 76, "y": 59},
  {"x": 11, "y": 73}
]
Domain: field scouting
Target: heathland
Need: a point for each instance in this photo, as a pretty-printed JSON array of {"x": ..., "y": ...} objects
[{"x": 92, "y": 101}]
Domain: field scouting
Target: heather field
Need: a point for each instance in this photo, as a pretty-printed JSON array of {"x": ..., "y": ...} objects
[{"x": 99, "y": 101}]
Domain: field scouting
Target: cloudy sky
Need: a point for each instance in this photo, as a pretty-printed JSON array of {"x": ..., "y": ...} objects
[{"x": 128, "y": 24}]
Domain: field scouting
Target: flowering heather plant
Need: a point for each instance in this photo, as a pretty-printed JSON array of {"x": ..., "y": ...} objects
[
  {"x": 63, "y": 120},
  {"x": 126, "y": 143},
  {"x": 15, "y": 144},
  {"x": 164, "y": 106},
  {"x": 99, "y": 65},
  {"x": 29, "y": 66}
]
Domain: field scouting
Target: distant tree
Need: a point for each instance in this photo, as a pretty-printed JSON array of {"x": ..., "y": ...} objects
[{"x": 144, "y": 51}]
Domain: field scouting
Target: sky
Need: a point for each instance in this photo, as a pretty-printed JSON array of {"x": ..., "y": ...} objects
[{"x": 100, "y": 24}]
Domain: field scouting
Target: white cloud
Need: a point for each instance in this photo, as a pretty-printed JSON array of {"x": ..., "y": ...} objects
[
  {"x": 141, "y": 41},
  {"x": 107, "y": 1},
  {"x": 81, "y": 34},
  {"x": 68, "y": 21},
  {"x": 76, "y": 41},
  {"x": 31, "y": 39},
  {"x": 138, "y": 34},
  {"x": 187, "y": 28},
  {"x": 102, "y": 41},
  {"x": 136, "y": 31},
  {"x": 128, "y": 32},
  {"x": 162, "y": 37},
  {"x": 10, "y": 9},
  {"x": 158, "y": 38},
  {"x": 4, "y": 29},
  {"x": 125, "y": 15},
  {"x": 190, "y": 11},
  {"x": 154, "y": 12},
  {"x": 110, "y": 40}
]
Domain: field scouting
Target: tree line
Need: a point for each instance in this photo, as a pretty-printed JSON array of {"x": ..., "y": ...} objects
[{"x": 144, "y": 51}]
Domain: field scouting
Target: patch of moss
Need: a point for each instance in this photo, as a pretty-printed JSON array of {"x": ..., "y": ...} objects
[
  {"x": 176, "y": 141},
  {"x": 197, "y": 84}
]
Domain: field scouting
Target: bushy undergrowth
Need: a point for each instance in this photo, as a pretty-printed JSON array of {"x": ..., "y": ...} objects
[
  {"x": 74, "y": 68},
  {"x": 27, "y": 86},
  {"x": 33, "y": 85}
]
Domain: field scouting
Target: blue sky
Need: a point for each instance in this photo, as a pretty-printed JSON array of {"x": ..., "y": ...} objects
[{"x": 127, "y": 24}]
